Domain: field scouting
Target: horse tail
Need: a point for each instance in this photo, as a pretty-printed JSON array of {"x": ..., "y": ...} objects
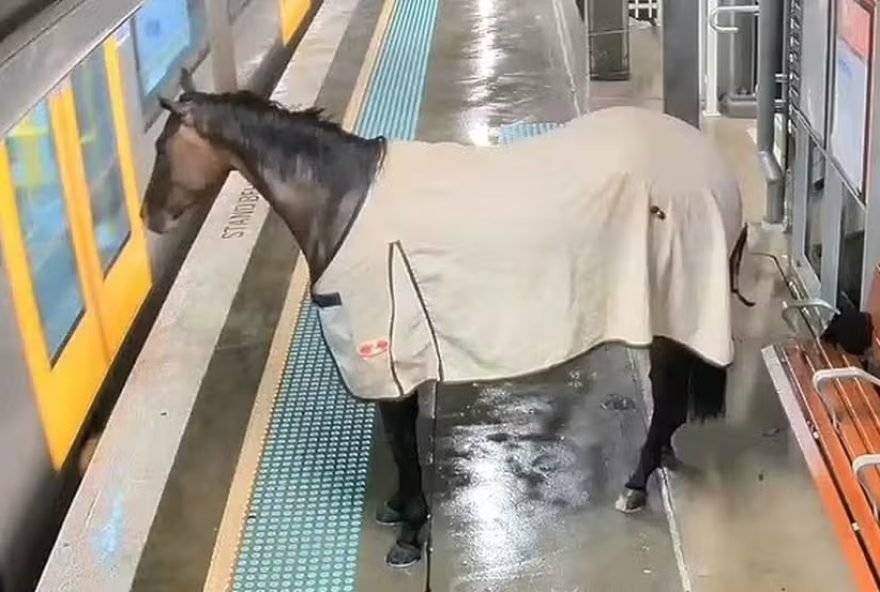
[
  {"x": 685, "y": 386},
  {"x": 707, "y": 391},
  {"x": 735, "y": 263}
]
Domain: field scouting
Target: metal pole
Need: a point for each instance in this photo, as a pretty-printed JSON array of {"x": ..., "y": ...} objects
[
  {"x": 608, "y": 30},
  {"x": 681, "y": 60},
  {"x": 222, "y": 47},
  {"x": 770, "y": 28}
]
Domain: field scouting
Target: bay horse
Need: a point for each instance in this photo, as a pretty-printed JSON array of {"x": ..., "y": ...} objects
[{"x": 419, "y": 275}]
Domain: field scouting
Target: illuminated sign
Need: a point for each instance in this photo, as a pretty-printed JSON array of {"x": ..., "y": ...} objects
[{"x": 852, "y": 59}]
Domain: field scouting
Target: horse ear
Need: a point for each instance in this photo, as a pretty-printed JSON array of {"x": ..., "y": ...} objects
[
  {"x": 177, "y": 108},
  {"x": 171, "y": 105},
  {"x": 186, "y": 81}
]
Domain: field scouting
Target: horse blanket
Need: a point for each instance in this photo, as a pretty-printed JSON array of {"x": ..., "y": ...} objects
[{"x": 470, "y": 263}]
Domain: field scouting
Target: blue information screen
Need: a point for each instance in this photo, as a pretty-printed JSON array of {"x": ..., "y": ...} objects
[{"x": 162, "y": 31}]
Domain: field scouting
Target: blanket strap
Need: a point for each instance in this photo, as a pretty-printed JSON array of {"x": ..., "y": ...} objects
[{"x": 327, "y": 300}]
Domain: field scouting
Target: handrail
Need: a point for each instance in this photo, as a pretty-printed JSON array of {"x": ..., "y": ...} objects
[
  {"x": 713, "y": 16},
  {"x": 800, "y": 304},
  {"x": 820, "y": 377},
  {"x": 859, "y": 465}
]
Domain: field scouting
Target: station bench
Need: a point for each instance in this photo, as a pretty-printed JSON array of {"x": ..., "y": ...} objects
[{"x": 833, "y": 406}]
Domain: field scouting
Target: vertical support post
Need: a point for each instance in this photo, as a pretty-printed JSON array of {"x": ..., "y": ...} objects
[
  {"x": 709, "y": 54},
  {"x": 608, "y": 31},
  {"x": 681, "y": 60},
  {"x": 222, "y": 48},
  {"x": 770, "y": 29}
]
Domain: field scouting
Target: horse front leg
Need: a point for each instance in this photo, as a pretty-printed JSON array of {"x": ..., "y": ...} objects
[
  {"x": 670, "y": 372},
  {"x": 407, "y": 506}
]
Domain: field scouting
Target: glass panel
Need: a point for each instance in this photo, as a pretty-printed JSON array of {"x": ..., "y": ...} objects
[
  {"x": 814, "y": 52},
  {"x": 165, "y": 31},
  {"x": 815, "y": 195},
  {"x": 40, "y": 199},
  {"x": 97, "y": 137},
  {"x": 852, "y": 248},
  {"x": 852, "y": 54}
]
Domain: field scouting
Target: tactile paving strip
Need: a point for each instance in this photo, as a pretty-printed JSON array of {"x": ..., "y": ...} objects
[
  {"x": 519, "y": 131},
  {"x": 395, "y": 94},
  {"x": 304, "y": 523},
  {"x": 303, "y": 528}
]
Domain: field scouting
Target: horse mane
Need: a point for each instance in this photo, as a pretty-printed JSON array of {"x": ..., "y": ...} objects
[{"x": 262, "y": 129}]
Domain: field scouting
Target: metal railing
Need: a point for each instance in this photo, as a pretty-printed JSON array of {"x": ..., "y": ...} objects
[{"x": 645, "y": 10}]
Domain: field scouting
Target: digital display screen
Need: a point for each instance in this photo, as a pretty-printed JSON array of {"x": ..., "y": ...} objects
[{"x": 852, "y": 57}]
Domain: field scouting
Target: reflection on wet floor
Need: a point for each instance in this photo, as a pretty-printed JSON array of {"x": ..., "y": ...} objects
[
  {"x": 494, "y": 62},
  {"x": 527, "y": 475}
]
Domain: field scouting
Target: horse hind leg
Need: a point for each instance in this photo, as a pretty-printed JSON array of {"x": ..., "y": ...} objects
[
  {"x": 670, "y": 369},
  {"x": 407, "y": 507}
]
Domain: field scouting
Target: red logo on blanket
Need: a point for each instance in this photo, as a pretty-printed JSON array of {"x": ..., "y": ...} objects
[{"x": 369, "y": 349}]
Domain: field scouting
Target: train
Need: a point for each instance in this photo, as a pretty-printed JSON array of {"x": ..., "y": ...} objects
[{"x": 81, "y": 279}]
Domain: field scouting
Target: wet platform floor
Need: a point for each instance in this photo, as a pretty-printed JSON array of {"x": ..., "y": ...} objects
[{"x": 527, "y": 475}]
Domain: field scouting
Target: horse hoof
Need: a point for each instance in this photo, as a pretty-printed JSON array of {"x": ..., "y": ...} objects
[
  {"x": 631, "y": 500},
  {"x": 388, "y": 516},
  {"x": 402, "y": 555}
]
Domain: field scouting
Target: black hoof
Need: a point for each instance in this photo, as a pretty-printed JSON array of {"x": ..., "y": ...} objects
[
  {"x": 631, "y": 500},
  {"x": 402, "y": 555},
  {"x": 669, "y": 460},
  {"x": 388, "y": 516}
]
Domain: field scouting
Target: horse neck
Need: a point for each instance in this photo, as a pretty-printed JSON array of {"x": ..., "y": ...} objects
[{"x": 316, "y": 200}]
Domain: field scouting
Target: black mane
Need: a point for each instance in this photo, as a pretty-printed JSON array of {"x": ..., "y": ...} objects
[{"x": 264, "y": 133}]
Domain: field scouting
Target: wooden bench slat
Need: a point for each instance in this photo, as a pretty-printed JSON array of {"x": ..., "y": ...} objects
[
  {"x": 781, "y": 372},
  {"x": 857, "y": 503},
  {"x": 864, "y": 400},
  {"x": 848, "y": 429},
  {"x": 860, "y": 400}
]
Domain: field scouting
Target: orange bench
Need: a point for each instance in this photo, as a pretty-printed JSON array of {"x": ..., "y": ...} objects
[{"x": 833, "y": 405}]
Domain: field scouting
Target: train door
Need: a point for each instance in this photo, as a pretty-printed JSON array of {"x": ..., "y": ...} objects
[
  {"x": 72, "y": 243},
  {"x": 105, "y": 178},
  {"x": 292, "y": 14}
]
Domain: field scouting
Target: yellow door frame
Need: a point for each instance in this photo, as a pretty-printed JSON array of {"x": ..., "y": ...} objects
[
  {"x": 292, "y": 13},
  {"x": 65, "y": 390}
]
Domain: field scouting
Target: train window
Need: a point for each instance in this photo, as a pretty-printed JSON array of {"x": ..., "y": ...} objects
[
  {"x": 815, "y": 195},
  {"x": 852, "y": 247},
  {"x": 97, "y": 138},
  {"x": 168, "y": 34},
  {"x": 39, "y": 196}
]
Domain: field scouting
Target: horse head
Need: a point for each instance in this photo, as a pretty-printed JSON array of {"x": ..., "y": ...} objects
[{"x": 188, "y": 167}]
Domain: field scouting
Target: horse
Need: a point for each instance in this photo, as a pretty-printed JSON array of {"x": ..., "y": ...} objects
[{"x": 627, "y": 237}]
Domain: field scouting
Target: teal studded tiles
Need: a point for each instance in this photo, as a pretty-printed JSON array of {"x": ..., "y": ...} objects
[
  {"x": 519, "y": 131},
  {"x": 304, "y": 523}
]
